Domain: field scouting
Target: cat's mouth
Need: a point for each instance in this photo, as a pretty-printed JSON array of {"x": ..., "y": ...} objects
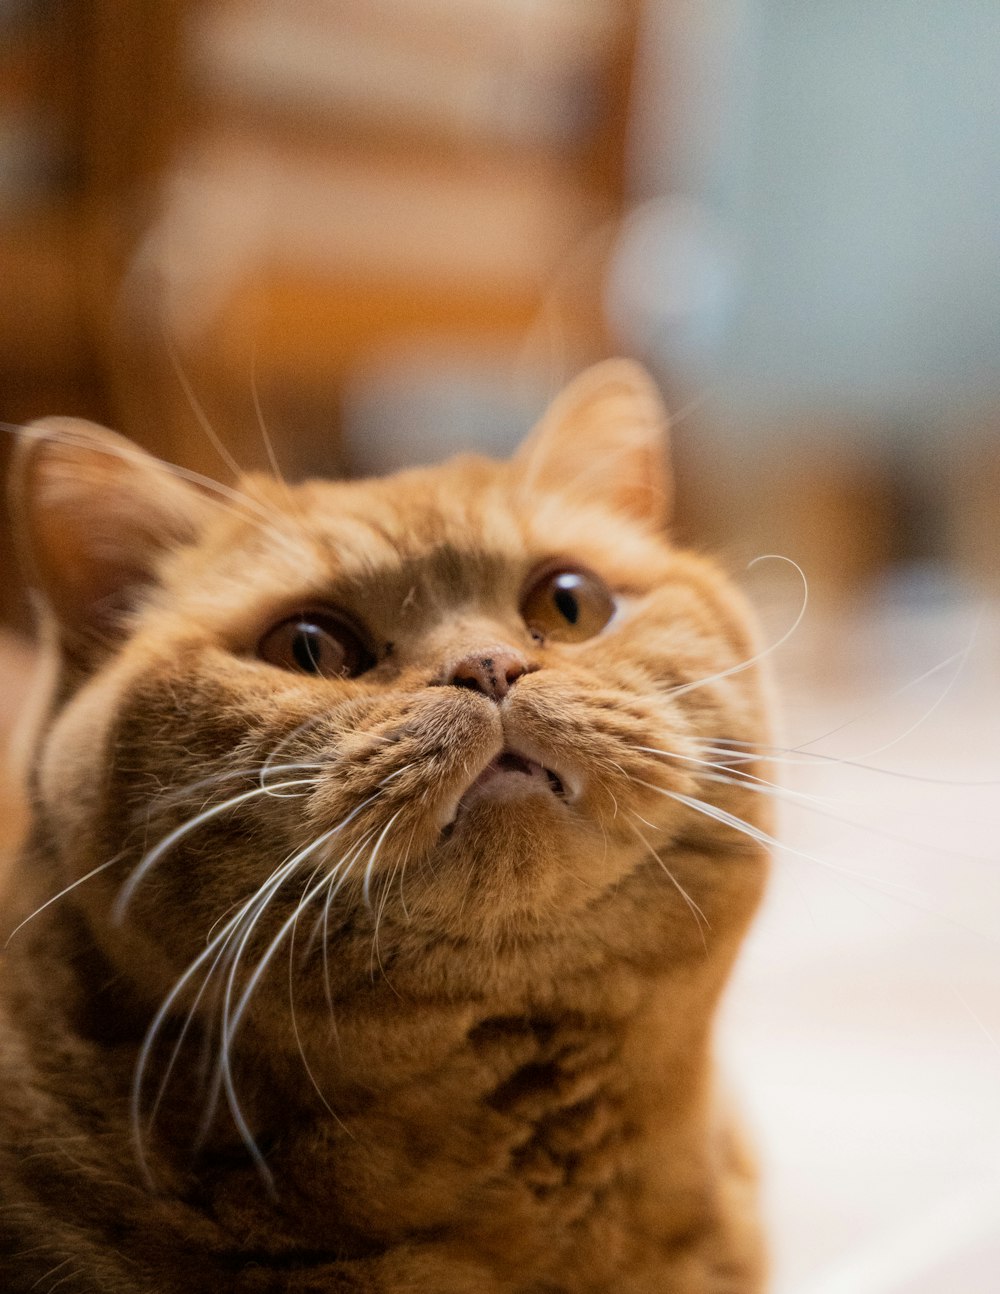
[{"x": 509, "y": 775}]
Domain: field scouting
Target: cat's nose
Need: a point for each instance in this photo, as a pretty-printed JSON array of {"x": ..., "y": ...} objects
[{"x": 492, "y": 671}]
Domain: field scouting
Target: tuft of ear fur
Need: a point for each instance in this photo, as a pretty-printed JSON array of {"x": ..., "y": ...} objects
[
  {"x": 604, "y": 440},
  {"x": 93, "y": 515}
]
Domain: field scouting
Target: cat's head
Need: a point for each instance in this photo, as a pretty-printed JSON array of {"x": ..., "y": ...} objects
[{"x": 452, "y": 707}]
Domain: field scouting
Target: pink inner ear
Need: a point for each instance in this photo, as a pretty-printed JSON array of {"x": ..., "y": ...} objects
[
  {"x": 603, "y": 440},
  {"x": 95, "y": 514},
  {"x": 107, "y": 591}
]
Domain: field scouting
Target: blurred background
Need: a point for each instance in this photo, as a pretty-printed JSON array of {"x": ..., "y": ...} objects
[{"x": 390, "y": 229}]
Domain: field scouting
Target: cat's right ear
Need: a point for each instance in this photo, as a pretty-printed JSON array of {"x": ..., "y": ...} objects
[
  {"x": 603, "y": 441},
  {"x": 93, "y": 515}
]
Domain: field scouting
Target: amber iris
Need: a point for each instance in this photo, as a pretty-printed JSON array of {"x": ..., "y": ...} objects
[
  {"x": 316, "y": 642},
  {"x": 567, "y": 605}
]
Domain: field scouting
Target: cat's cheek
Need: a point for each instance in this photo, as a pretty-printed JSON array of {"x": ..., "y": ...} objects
[{"x": 70, "y": 780}]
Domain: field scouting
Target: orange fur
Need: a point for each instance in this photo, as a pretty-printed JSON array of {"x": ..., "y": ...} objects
[{"x": 486, "y": 1065}]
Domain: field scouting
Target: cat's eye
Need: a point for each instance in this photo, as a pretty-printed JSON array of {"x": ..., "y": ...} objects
[
  {"x": 316, "y": 642},
  {"x": 567, "y": 605}
]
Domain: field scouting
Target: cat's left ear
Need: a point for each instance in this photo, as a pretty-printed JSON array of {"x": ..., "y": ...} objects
[
  {"x": 94, "y": 514},
  {"x": 604, "y": 440}
]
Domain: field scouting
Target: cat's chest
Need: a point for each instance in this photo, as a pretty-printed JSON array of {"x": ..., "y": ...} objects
[
  {"x": 525, "y": 1137},
  {"x": 514, "y": 1109}
]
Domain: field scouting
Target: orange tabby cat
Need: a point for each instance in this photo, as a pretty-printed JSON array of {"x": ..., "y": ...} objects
[{"x": 398, "y": 887}]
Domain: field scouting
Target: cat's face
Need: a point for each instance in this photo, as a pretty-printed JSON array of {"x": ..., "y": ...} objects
[{"x": 454, "y": 706}]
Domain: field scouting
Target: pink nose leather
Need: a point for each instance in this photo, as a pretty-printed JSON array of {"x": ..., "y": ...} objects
[{"x": 492, "y": 671}]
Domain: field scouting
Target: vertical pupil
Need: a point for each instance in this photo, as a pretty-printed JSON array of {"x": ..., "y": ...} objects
[
  {"x": 305, "y": 649},
  {"x": 567, "y": 605}
]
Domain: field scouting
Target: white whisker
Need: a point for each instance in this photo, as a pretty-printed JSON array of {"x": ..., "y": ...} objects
[
  {"x": 799, "y": 800},
  {"x": 793, "y": 756},
  {"x": 684, "y": 688},
  {"x": 728, "y": 819},
  {"x": 744, "y": 778},
  {"x": 960, "y": 656},
  {"x": 94, "y": 871},
  {"x": 990, "y": 1036},
  {"x": 402, "y": 872},
  {"x": 230, "y": 941},
  {"x": 700, "y": 919},
  {"x": 152, "y": 856},
  {"x": 291, "y": 1007},
  {"x": 214, "y": 947},
  {"x": 221, "y": 496},
  {"x": 366, "y": 887},
  {"x": 169, "y": 798},
  {"x": 268, "y": 765},
  {"x": 265, "y": 435},
  {"x": 232, "y": 1016},
  {"x": 198, "y": 409}
]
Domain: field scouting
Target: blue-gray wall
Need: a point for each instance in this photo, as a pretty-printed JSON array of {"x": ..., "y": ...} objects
[{"x": 845, "y": 158}]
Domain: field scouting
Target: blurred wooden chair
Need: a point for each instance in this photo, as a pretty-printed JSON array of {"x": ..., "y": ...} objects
[
  {"x": 347, "y": 181},
  {"x": 285, "y": 191},
  {"x": 86, "y": 127}
]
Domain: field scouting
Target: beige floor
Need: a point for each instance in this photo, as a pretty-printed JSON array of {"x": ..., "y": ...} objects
[{"x": 863, "y": 1029}]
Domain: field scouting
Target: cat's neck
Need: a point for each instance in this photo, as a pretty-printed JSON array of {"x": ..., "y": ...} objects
[{"x": 514, "y": 1134}]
